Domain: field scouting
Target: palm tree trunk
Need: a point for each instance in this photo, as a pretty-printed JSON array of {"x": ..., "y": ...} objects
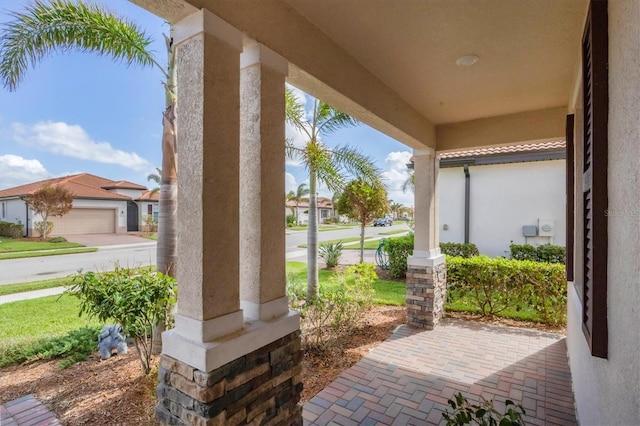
[
  {"x": 312, "y": 240},
  {"x": 167, "y": 247},
  {"x": 362, "y": 224}
]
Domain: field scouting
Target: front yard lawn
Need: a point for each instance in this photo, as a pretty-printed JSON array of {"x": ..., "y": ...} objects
[{"x": 19, "y": 248}]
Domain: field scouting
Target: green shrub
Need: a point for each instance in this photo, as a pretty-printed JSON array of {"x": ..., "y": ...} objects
[
  {"x": 58, "y": 240},
  {"x": 74, "y": 346},
  {"x": 338, "y": 308},
  {"x": 331, "y": 253},
  {"x": 398, "y": 250},
  {"x": 483, "y": 414},
  {"x": 151, "y": 223},
  {"x": 291, "y": 220},
  {"x": 498, "y": 284},
  {"x": 137, "y": 300},
  {"x": 544, "y": 253},
  {"x": 459, "y": 249},
  {"x": 11, "y": 230}
]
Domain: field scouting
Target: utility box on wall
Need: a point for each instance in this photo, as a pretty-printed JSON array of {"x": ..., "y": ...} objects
[
  {"x": 546, "y": 227},
  {"x": 529, "y": 231}
]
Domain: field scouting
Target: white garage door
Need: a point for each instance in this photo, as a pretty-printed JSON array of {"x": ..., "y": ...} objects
[{"x": 85, "y": 221}]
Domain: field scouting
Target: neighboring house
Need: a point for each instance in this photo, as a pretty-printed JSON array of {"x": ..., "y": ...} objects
[
  {"x": 100, "y": 206},
  {"x": 492, "y": 196},
  {"x": 325, "y": 210}
]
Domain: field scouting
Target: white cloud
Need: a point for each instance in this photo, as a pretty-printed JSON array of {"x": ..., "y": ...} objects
[
  {"x": 73, "y": 141},
  {"x": 16, "y": 171},
  {"x": 290, "y": 182},
  {"x": 395, "y": 176}
]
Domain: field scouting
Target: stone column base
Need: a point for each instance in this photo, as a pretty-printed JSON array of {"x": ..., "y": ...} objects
[
  {"x": 426, "y": 293},
  {"x": 261, "y": 388}
]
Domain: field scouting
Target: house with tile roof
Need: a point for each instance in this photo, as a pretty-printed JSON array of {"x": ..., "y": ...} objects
[
  {"x": 100, "y": 205},
  {"x": 300, "y": 209},
  {"x": 491, "y": 196}
]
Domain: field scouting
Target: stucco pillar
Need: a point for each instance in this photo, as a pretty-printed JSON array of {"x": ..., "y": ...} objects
[
  {"x": 220, "y": 365},
  {"x": 426, "y": 268},
  {"x": 262, "y": 166}
]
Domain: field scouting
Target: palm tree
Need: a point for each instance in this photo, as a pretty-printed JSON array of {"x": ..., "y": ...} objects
[
  {"x": 328, "y": 166},
  {"x": 409, "y": 184},
  {"x": 155, "y": 177},
  {"x": 395, "y": 208},
  {"x": 296, "y": 197},
  {"x": 62, "y": 25}
]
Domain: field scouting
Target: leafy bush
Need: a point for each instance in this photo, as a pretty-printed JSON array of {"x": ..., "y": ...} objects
[
  {"x": 459, "y": 249},
  {"x": 543, "y": 253},
  {"x": 43, "y": 231},
  {"x": 483, "y": 414},
  {"x": 339, "y": 307},
  {"x": 499, "y": 284},
  {"x": 134, "y": 299},
  {"x": 58, "y": 240},
  {"x": 331, "y": 253},
  {"x": 399, "y": 250},
  {"x": 291, "y": 220},
  {"x": 151, "y": 223},
  {"x": 11, "y": 230},
  {"x": 74, "y": 346}
]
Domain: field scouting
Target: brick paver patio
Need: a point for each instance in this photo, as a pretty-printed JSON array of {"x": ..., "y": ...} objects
[
  {"x": 26, "y": 411},
  {"x": 408, "y": 379}
]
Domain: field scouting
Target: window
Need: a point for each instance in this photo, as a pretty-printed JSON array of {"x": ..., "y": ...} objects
[
  {"x": 594, "y": 178},
  {"x": 155, "y": 211},
  {"x": 149, "y": 209}
]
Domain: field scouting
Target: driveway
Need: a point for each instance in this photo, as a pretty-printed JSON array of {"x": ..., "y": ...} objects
[{"x": 100, "y": 240}]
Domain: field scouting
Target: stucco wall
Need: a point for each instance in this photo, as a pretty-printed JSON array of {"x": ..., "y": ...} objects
[
  {"x": 608, "y": 391},
  {"x": 503, "y": 198},
  {"x": 15, "y": 211}
]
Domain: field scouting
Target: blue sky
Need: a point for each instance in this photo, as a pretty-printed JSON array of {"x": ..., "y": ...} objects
[{"x": 78, "y": 112}]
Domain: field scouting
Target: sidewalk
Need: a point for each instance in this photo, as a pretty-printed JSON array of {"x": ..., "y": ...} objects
[{"x": 28, "y": 295}]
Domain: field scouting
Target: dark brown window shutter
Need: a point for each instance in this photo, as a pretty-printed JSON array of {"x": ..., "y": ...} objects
[
  {"x": 594, "y": 180},
  {"x": 570, "y": 196}
]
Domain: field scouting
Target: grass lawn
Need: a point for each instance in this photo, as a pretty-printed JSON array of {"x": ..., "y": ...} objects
[
  {"x": 368, "y": 245},
  {"x": 35, "y": 285},
  {"x": 25, "y": 254},
  {"x": 27, "y": 321},
  {"x": 150, "y": 236},
  {"x": 16, "y": 249},
  {"x": 397, "y": 231},
  {"x": 344, "y": 240},
  {"x": 385, "y": 292},
  {"x": 8, "y": 245}
]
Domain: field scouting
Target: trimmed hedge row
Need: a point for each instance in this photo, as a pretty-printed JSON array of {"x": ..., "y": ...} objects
[
  {"x": 398, "y": 249},
  {"x": 11, "y": 230},
  {"x": 499, "y": 284},
  {"x": 543, "y": 253}
]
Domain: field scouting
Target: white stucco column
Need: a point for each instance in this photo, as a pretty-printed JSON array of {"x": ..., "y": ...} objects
[
  {"x": 426, "y": 246},
  {"x": 262, "y": 167},
  {"x": 208, "y": 77},
  {"x": 426, "y": 269}
]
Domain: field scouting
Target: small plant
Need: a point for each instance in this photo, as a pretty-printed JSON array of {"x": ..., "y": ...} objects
[
  {"x": 459, "y": 249},
  {"x": 483, "y": 414},
  {"x": 291, "y": 220},
  {"x": 331, "y": 253},
  {"x": 137, "y": 300},
  {"x": 43, "y": 228},
  {"x": 544, "y": 253},
  {"x": 11, "y": 230},
  {"x": 58, "y": 240},
  {"x": 74, "y": 346},
  {"x": 151, "y": 224}
]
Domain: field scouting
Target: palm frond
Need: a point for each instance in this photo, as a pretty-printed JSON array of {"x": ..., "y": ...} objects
[
  {"x": 358, "y": 165},
  {"x": 330, "y": 119},
  {"x": 62, "y": 25}
]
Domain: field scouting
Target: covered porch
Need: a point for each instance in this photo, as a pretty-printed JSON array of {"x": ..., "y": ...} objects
[{"x": 436, "y": 76}]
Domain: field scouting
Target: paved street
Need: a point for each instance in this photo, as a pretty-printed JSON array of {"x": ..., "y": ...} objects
[{"x": 135, "y": 251}]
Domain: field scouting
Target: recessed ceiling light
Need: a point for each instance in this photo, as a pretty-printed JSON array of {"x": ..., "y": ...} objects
[{"x": 467, "y": 60}]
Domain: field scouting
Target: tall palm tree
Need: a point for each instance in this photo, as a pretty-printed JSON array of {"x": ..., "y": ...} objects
[
  {"x": 58, "y": 26},
  {"x": 410, "y": 183},
  {"x": 296, "y": 197},
  {"x": 325, "y": 165}
]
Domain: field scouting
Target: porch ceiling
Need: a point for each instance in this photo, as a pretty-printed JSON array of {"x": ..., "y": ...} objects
[
  {"x": 392, "y": 64},
  {"x": 528, "y": 51}
]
